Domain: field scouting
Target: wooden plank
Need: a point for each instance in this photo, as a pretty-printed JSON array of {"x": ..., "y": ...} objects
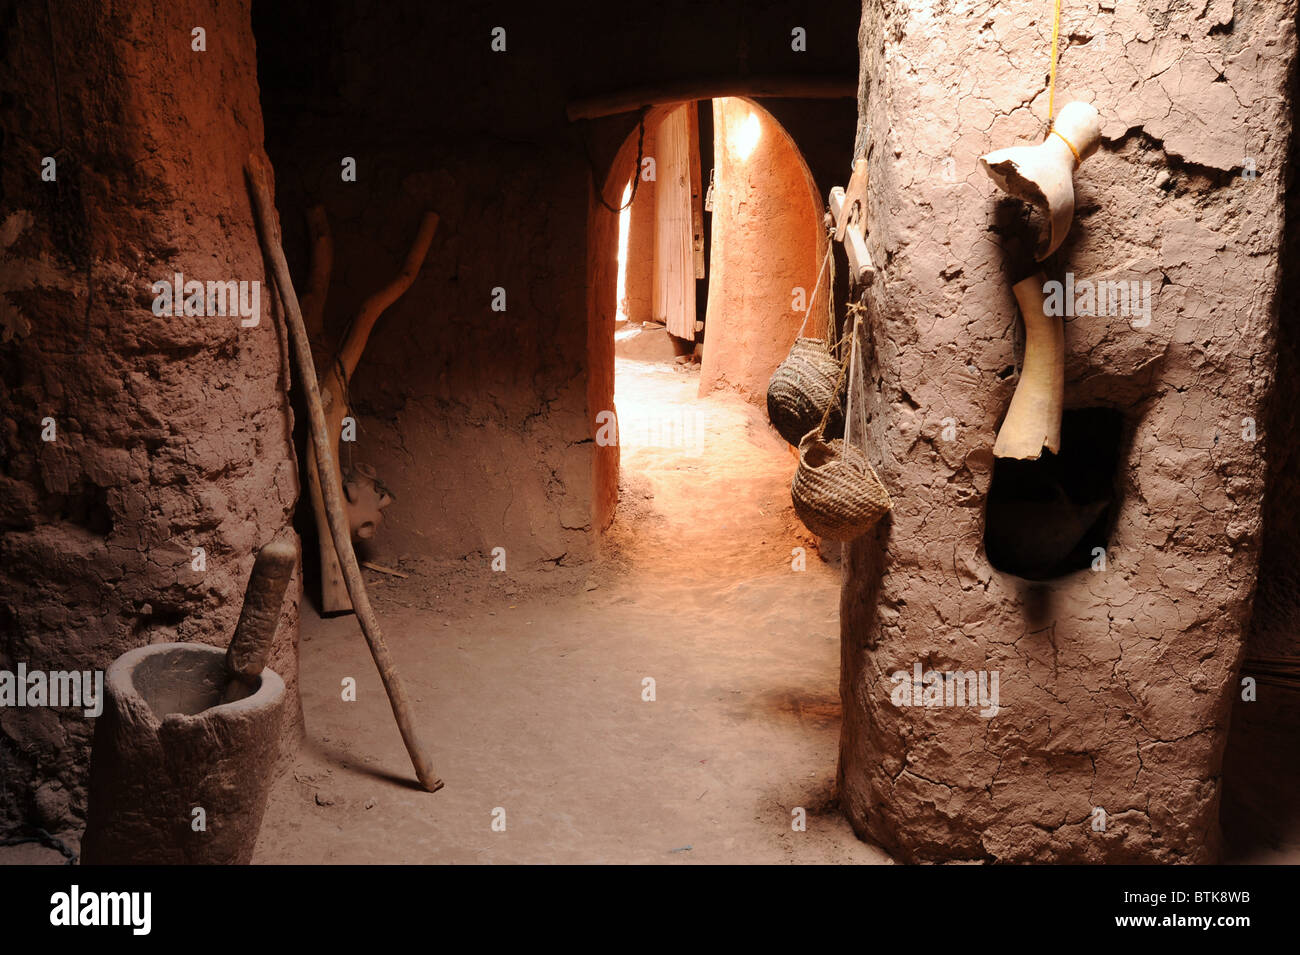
[
  {"x": 861, "y": 269},
  {"x": 697, "y": 193},
  {"x": 334, "y": 590},
  {"x": 674, "y": 285},
  {"x": 855, "y": 198}
]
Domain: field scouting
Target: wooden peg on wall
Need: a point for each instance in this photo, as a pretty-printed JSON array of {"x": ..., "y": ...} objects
[{"x": 849, "y": 207}]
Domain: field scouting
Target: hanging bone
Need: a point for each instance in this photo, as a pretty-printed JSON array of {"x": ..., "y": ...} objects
[
  {"x": 1033, "y": 420},
  {"x": 1044, "y": 174}
]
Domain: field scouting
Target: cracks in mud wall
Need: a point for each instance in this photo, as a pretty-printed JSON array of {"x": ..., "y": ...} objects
[
  {"x": 1260, "y": 765},
  {"x": 132, "y": 442},
  {"x": 1116, "y": 684}
]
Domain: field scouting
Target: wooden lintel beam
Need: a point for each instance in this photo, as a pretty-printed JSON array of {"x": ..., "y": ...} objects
[{"x": 790, "y": 86}]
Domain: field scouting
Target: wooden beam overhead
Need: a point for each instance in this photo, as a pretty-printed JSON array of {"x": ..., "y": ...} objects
[{"x": 792, "y": 86}]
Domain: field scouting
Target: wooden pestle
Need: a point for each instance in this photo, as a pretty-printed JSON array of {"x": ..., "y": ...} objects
[{"x": 250, "y": 647}]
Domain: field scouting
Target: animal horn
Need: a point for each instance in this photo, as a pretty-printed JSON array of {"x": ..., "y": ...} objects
[
  {"x": 1033, "y": 420},
  {"x": 1044, "y": 174}
]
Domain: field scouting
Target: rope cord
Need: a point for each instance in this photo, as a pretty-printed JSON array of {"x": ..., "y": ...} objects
[
  {"x": 832, "y": 327},
  {"x": 855, "y": 311},
  {"x": 1061, "y": 137},
  {"x": 816, "y": 288},
  {"x": 853, "y": 381},
  {"x": 636, "y": 172},
  {"x": 1051, "y": 84}
]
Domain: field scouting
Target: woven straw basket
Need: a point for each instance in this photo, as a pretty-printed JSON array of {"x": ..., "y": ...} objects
[
  {"x": 801, "y": 389},
  {"x": 835, "y": 490}
]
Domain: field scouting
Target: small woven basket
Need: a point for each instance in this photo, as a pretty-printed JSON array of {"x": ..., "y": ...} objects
[
  {"x": 835, "y": 490},
  {"x": 801, "y": 389}
]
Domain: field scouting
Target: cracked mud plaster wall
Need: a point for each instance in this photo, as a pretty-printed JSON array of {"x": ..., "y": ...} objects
[
  {"x": 1116, "y": 686},
  {"x": 1261, "y": 767},
  {"x": 482, "y": 422},
  {"x": 172, "y": 433}
]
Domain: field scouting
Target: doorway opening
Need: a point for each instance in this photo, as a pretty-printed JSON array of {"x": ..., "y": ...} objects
[{"x": 719, "y": 252}]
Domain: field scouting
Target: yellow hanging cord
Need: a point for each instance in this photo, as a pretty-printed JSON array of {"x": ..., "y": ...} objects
[
  {"x": 1061, "y": 136},
  {"x": 1051, "y": 87}
]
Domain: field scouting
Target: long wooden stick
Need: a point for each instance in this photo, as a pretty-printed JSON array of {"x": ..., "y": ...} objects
[
  {"x": 333, "y": 590},
  {"x": 259, "y": 176}
]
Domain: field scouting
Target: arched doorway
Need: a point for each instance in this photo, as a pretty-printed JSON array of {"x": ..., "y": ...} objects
[{"x": 760, "y": 252}]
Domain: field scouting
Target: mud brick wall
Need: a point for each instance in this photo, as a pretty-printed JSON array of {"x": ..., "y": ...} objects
[
  {"x": 169, "y": 433},
  {"x": 482, "y": 422},
  {"x": 1116, "y": 685}
]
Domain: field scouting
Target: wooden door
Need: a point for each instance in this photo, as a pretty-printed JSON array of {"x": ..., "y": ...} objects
[{"x": 674, "y": 269}]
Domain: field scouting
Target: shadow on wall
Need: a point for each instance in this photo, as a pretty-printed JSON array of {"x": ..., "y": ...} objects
[
  {"x": 1052, "y": 516},
  {"x": 1261, "y": 772}
]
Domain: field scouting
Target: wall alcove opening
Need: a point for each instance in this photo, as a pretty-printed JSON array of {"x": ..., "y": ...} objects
[{"x": 1048, "y": 518}]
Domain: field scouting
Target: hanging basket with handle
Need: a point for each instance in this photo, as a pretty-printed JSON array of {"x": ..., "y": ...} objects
[
  {"x": 806, "y": 382},
  {"x": 802, "y": 388},
  {"x": 835, "y": 490}
]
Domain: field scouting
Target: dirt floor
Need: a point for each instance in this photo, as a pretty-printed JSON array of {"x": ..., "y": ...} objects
[
  {"x": 529, "y": 686},
  {"x": 530, "y": 691}
]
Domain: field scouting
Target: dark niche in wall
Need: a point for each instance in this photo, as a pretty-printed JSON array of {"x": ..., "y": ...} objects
[{"x": 1045, "y": 518}]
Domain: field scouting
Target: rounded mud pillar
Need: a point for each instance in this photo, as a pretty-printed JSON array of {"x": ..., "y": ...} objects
[{"x": 1040, "y": 658}]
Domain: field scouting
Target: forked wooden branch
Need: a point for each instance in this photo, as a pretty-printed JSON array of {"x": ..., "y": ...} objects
[
  {"x": 259, "y": 175},
  {"x": 374, "y": 306},
  {"x": 335, "y": 375}
]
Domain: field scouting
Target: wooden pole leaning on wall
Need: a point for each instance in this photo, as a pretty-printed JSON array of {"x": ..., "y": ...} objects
[
  {"x": 333, "y": 591},
  {"x": 258, "y": 172}
]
